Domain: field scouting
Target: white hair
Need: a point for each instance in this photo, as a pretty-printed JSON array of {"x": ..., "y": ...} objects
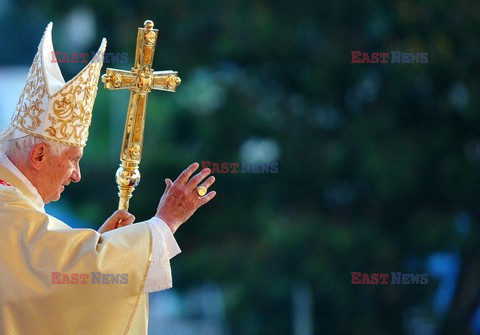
[{"x": 22, "y": 146}]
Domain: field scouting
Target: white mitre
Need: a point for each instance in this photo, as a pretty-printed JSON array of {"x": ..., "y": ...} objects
[{"x": 52, "y": 109}]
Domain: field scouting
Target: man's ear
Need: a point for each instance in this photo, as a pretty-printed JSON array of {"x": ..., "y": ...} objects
[{"x": 38, "y": 156}]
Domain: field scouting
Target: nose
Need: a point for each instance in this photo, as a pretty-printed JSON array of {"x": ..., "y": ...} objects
[{"x": 76, "y": 175}]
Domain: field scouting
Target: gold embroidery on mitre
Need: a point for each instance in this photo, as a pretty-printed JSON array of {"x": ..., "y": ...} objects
[
  {"x": 71, "y": 112},
  {"x": 30, "y": 107},
  {"x": 65, "y": 116}
]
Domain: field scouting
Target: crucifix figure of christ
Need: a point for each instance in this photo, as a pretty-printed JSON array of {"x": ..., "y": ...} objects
[{"x": 140, "y": 81}]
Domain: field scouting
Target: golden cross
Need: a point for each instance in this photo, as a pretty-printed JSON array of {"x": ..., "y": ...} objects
[{"x": 140, "y": 81}]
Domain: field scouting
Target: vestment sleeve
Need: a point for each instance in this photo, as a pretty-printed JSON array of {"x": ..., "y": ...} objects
[{"x": 164, "y": 248}]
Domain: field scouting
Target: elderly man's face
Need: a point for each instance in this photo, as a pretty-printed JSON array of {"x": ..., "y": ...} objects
[{"x": 58, "y": 172}]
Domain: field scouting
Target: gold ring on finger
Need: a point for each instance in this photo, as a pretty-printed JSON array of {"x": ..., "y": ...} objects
[{"x": 201, "y": 190}]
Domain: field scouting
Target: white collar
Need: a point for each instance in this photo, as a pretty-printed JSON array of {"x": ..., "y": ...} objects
[{"x": 7, "y": 163}]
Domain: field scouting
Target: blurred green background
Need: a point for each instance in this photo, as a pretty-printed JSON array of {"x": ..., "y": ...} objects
[{"x": 378, "y": 164}]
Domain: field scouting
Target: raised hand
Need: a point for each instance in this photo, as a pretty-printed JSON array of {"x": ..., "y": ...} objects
[{"x": 180, "y": 199}]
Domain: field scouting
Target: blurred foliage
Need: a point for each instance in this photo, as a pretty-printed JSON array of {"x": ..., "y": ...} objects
[{"x": 376, "y": 161}]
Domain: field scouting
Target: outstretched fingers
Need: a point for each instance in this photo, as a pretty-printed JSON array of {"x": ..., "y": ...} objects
[
  {"x": 198, "y": 178},
  {"x": 182, "y": 198},
  {"x": 209, "y": 182},
  {"x": 209, "y": 196},
  {"x": 186, "y": 174}
]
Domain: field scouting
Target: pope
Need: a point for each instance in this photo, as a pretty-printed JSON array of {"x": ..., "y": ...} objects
[{"x": 40, "y": 154}]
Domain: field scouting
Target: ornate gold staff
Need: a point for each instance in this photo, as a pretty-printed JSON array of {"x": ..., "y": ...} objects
[{"x": 140, "y": 81}]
